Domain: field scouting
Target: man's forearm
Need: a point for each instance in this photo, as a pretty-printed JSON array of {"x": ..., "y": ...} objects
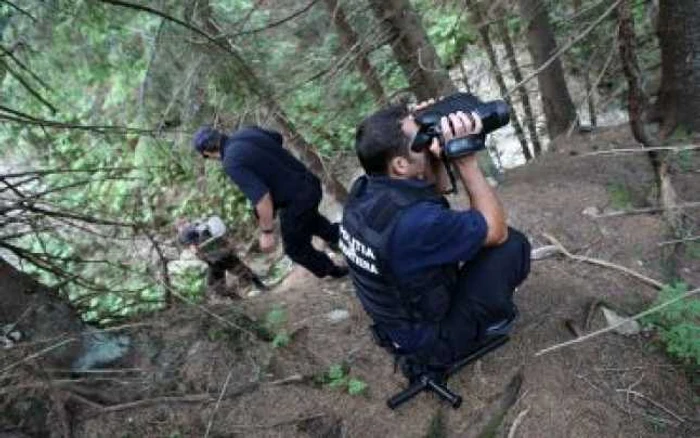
[
  {"x": 484, "y": 199},
  {"x": 266, "y": 212}
]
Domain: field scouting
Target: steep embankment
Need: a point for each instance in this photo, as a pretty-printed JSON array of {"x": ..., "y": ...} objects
[{"x": 610, "y": 386}]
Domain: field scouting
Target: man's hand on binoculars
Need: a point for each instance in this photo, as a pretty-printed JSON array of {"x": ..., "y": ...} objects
[{"x": 460, "y": 124}]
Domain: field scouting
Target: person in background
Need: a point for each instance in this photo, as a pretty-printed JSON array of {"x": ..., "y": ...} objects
[
  {"x": 207, "y": 239},
  {"x": 275, "y": 182}
]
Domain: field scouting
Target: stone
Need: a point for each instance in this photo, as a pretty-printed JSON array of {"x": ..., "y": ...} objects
[
  {"x": 629, "y": 328},
  {"x": 338, "y": 315}
]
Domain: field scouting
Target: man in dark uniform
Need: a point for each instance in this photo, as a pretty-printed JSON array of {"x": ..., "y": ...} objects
[
  {"x": 273, "y": 180},
  {"x": 435, "y": 281}
]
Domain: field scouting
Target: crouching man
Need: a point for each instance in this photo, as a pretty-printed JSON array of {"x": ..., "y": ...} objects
[
  {"x": 208, "y": 240},
  {"x": 433, "y": 279}
]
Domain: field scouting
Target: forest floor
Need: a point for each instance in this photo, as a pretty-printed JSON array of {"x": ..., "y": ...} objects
[{"x": 609, "y": 386}]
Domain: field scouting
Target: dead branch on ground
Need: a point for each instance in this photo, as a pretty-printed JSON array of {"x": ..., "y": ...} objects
[
  {"x": 621, "y": 323},
  {"x": 650, "y": 281}
]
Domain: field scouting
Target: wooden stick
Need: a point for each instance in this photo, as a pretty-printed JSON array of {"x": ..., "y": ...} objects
[
  {"x": 622, "y": 322},
  {"x": 196, "y": 398},
  {"x": 277, "y": 423},
  {"x": 672, "y": 242},
  {"x": 650, "y": 281},
  {"x": 37, "y": 354},
  {"x": 218, "y": 402},
  {"x": 519, "y": 419},
  {"x": 640, "y": 150},
  {"x": 653, "y": 402},
  {"x": 645, "y": 210}
]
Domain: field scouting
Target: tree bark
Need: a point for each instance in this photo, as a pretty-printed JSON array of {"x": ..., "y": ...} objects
[
  {"x": 638, "y": 105},
  {"x": 522, "y": 90},
  {"x": 413, "y": 49},
  {"x": 351, "y": 43},
  {"x": 477, "y": 21},
  {"x": 556, "y": 101},
  {"x": 679, "y": 36},
  {"x": 418, "y": 59}
]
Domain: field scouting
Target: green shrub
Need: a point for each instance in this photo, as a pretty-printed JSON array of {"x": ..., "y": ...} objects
[
  {"x": 274, "y": 322},
  {"x": 338, "y": 376},
  {"x": 678, "y": 324}
]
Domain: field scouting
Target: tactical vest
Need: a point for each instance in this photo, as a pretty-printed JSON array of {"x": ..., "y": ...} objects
[{"x": 370, "y": 215}]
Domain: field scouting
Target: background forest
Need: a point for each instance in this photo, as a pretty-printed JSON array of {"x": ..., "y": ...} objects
[{"x": 100, "y": 99}]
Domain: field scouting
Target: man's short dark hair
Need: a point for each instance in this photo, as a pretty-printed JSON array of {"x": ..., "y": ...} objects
[
  {"x": 207, "y": 139},
  {"x": 379, "y": 138}
]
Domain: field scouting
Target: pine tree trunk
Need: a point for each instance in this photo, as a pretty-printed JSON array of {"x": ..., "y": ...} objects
[
  {"x": 522, "y": 90},
  {"x": 638, "y": 104},
  {"x": 413, "y": 50},
  {"x": 477, "y": 19},
  {"x": 418, "y": 59},
  {"x": 351, "y": 43},
  {"x": 556, "y": 101},
  {"x": 679, "y": 36}
]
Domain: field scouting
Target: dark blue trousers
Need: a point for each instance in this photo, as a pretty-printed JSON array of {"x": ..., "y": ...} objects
[
  {"x": 300, "y": 221},
  {"x": 483, "y": 297}
]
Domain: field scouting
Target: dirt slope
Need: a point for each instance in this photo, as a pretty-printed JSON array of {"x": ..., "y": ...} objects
[{"x": 589, "y": 390}]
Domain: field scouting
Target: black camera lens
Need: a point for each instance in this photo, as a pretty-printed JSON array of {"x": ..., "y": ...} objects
[{"x": 494, "y": 114}]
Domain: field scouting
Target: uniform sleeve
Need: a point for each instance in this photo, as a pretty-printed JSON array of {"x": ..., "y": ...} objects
[
  {"x": 429, "y": 235},
  {"x": 247, "y": 181}
]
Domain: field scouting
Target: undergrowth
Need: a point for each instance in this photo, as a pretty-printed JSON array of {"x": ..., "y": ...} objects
[{"x": 678, "y": 324}]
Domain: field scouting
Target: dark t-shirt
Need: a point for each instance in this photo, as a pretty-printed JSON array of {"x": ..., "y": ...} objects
[
  {"x": 429, "y": 235},
  {"x": 257, "y": 163}
]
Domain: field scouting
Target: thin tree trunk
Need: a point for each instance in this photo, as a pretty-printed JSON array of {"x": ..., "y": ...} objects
[
  {"x": 413, "y": 50},
  {"x": 477, "y": 20},
  {"x": 556, "y": 101},
  {"x": 350, "y": 43},
  {"x": 590, "y": 98},
  {"x": 637, "y": 107},
  {"x": 522, "y": 90},
  {"x": 418, "y": 59},
  {"x": 679, "y": 36}
]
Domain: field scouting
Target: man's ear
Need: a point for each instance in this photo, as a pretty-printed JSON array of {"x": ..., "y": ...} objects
[{"x": 398, "y": 166}]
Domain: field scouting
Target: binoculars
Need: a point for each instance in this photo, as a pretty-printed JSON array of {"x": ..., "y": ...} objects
[{"x": 494, "y": 114}]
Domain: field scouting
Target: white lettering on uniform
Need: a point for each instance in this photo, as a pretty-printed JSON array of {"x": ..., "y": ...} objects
[{"x": 357, "y": 252}]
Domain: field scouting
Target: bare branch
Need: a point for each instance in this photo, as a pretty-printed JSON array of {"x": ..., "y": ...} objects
[
  {"x": 28, "y": 87},
  {"x": 274, "y": 23},
  {"x": 24, "y": 67},
  {"x": 622, "y": 322},
  {"x": 565, "y": 48},
  {"x": 20, "y": 10}
]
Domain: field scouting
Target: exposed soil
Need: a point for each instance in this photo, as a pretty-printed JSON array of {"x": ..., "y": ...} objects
[{"x": 587, "y": 390}]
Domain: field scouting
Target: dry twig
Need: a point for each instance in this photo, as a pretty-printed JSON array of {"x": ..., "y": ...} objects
[
  {"x": 218, "y": 402},
  {"x": 653, "y": 402},
  {"x": 36, "y": 355},
  {"x": 621, "y": 323},
  {"x": 519, "y": 419},
  {"x": 650, "y": 281}
]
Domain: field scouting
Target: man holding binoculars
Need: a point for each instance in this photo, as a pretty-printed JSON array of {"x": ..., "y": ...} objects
[{"x": 434, "y": 280}]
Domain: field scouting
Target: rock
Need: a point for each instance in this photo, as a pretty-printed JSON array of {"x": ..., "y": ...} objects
[
  {"x": 338, "y": 315},
  {"x": 176, "y": 267},
  {"x": 591, "y": 211},
  {"x": 100, "y": 349},
  {"x": 628, "y": 329},
  {"x": 544, "y": 252}
]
